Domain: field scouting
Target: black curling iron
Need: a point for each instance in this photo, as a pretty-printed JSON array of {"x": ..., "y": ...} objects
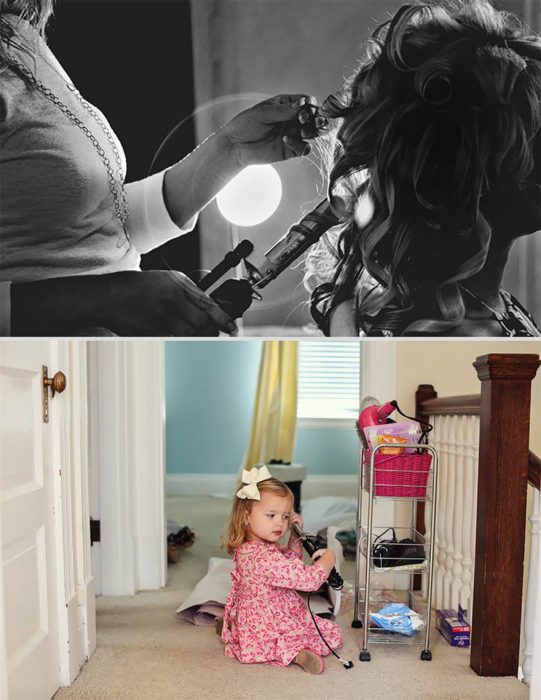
[
  {"x": 235, "y": 296},
  {"x": 311, "y": 543}
]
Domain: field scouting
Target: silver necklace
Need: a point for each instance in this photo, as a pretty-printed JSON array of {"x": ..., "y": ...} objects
[{"x": 116, "y": 182}]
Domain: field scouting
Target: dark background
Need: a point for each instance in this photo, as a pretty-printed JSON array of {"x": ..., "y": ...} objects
[{"x": 133, "y": 60}]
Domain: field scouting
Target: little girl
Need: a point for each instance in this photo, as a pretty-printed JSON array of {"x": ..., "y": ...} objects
[{"x": 265, "y": 619}]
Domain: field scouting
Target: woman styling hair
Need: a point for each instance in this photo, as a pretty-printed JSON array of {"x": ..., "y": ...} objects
[
  {"x": 72, "y": 231},
  {"x": 436, "y": 171}
]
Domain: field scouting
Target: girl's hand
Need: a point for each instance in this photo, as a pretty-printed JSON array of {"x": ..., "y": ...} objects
[
  {"x": 296, "y": 518},
  {"x": 320, "y": 553},
  {"x": 294, "y": 542},
  {"x": 274, "y": 130},
  {"x": 325, "y": 558}
]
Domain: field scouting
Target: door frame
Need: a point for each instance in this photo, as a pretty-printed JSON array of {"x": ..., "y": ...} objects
[
  {"x": 74, "y": 582},
  {"x": 127, "y": 464},
  {"x": 79, "y": 585}
]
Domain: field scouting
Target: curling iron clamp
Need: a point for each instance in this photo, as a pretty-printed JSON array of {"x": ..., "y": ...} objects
[{"x": 235, "y": 296}]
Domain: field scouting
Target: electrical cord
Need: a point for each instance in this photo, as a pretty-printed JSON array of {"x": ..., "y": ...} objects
[
  {"x": 425, "y": 427},
  {"x": 346, "y": 664}
]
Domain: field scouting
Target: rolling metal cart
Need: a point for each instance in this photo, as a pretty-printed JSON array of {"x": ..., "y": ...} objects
[{"x": 411, "y": 477}]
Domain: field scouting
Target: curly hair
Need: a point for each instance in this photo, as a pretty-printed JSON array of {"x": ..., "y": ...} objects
[
  {"x": 35, "y": 12},
  {"x": 443, "y": 115},
  {"x": 237, "y": 532}
]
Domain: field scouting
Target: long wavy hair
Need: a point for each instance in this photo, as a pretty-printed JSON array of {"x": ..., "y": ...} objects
[
  {"x": 237, "y": 528},
  {"x": 443, "y": 113},
  {"x": 35, "y": 12}
]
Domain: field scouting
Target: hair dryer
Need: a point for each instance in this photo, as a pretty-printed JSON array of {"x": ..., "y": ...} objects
[
  {"x": 311, "y": 543},
  {"x": 376, "y": 414},
  {"x": 235, "y": 296}
]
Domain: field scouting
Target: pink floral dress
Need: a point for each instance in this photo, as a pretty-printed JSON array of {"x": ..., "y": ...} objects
[{"x": 265, "y": 619}]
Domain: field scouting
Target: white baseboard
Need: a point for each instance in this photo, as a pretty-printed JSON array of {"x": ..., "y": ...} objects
[
  {"x": 313, "y": 486},
  {"x": 199, "y": 484},
  {"x": 343, "y": 485}
]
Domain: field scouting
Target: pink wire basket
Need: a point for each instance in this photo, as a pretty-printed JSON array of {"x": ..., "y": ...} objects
[{"x": 404, "y": 475}]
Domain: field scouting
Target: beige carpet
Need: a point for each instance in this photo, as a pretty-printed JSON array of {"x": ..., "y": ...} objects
[{"x": 145, "y": 653}]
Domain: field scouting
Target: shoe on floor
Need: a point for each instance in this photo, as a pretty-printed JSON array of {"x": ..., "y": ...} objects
[{"x": 309, "y": 661}]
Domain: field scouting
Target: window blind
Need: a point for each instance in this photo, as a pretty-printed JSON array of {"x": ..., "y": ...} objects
[{"x": 328, "y": 379}]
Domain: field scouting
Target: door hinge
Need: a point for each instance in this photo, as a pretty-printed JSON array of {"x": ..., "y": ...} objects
[{"x": 95, "y": 531}]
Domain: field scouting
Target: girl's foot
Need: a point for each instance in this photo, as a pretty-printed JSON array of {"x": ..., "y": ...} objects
[{"x": 309, "y": 661}]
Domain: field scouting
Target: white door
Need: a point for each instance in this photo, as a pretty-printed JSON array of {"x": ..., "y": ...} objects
[{"x": 34, "y": 620}]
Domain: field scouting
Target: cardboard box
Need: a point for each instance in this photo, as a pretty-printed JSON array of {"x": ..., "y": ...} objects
[{"x": 454, "y": 626}]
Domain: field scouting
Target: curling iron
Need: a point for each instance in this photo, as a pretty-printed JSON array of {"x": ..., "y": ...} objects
[
  {"x": 311, "y": 543},
  {"x": 235, "y": 296}
]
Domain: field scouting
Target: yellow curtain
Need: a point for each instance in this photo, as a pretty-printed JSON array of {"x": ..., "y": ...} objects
[{"x": 274, "y": 420}]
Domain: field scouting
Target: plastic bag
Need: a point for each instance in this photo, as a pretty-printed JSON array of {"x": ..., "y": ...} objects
[
  {"x": 397, "y": 617},
  {"x": 411, "y": 432}
]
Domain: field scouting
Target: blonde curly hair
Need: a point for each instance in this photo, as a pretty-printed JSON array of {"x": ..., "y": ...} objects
[{"x": 237, "y": 531}]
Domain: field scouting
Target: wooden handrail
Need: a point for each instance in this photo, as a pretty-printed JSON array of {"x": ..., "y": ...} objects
[{"x": 468, "y": 405}]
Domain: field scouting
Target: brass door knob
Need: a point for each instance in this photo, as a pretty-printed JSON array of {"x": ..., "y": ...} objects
[{"x": 57, "y": 383}]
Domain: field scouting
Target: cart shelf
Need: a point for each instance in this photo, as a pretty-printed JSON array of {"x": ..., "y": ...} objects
[{"x": 394, "y": 550}]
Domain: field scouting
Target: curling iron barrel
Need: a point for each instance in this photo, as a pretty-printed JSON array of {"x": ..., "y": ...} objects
[
  {"x": 292, "y": 245},
  {"x": 235, "y": 296}
]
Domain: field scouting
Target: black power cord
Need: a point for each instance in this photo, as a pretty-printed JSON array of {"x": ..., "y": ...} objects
[
  {"x": 425, "y": 427},
  {"x": 346, "y": 664},
  {"x": 311, "y": 543}
]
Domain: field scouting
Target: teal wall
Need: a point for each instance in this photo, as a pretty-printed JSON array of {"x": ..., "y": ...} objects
[{"x": 210, "y": 390}]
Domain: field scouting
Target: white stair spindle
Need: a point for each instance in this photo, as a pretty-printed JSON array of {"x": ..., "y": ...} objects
[
  {"x": 449, "y": 500},
  {"x": 529, "y": 608},
  {"x": 443, "y": 424},
  {"x": 457, "y": 442},
  {"x": 468, "y": 523}
]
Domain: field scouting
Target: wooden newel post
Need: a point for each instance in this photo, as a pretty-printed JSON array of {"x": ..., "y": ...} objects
[{"x": 501, "y": 511}]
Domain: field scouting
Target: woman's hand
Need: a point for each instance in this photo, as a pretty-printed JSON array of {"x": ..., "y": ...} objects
[
  {"x": 148, "y": 303},
  {"x": 270, "y": 131},
  {"x": 274, "y": 130}
]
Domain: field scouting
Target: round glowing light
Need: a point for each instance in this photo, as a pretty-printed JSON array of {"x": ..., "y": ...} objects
[{"x": 252, "y": 196}]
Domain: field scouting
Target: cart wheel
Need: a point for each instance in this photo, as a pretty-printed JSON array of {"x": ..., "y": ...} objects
[
  {"x": 426, "y": 655},
  {"x": 356, "y": 624},
  {"x": 365, "y": 655}
]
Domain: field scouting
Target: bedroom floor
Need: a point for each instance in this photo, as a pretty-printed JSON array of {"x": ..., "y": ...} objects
[{"x": 145, "y": 652}]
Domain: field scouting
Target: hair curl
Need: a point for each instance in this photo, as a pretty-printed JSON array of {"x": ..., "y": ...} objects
[
  {"x": 443, "y": 115},
  {"x": 35, "y": 12},
  {"x": 237, "y": 532}
]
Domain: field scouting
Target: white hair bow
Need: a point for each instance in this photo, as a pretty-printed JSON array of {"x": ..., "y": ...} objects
[{"x": 251, "y": 479}]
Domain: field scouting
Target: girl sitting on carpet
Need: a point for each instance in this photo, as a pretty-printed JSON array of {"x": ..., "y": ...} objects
[{"x": 265, "y": 619}]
